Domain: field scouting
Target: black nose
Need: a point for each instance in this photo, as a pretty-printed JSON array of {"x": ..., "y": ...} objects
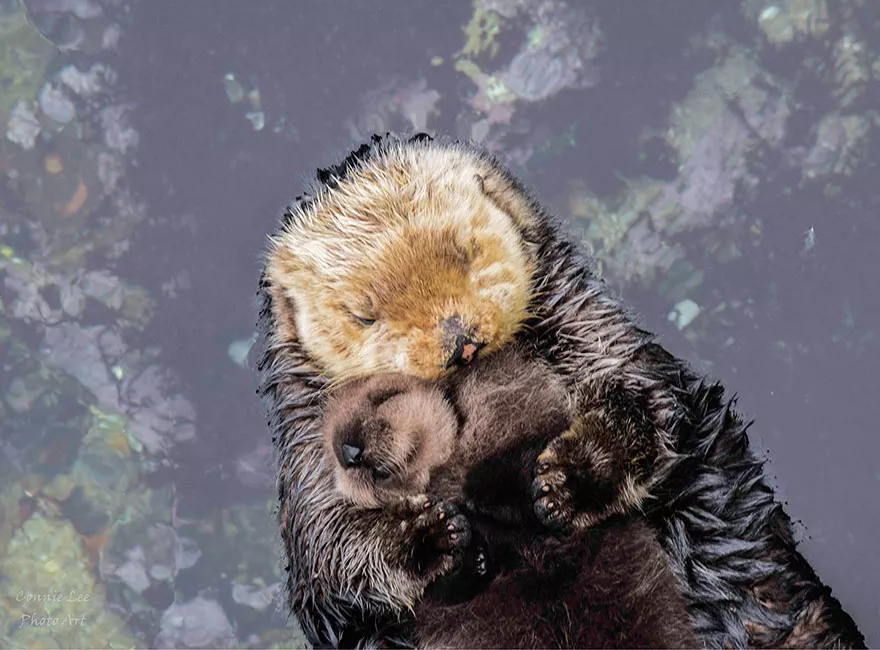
[
  {"x": 351, "y": 455},
  {"x": 460, "y": 339},
  {"x": 464, "y": 351}
]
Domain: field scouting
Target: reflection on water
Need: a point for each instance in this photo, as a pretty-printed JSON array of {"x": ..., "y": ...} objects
[{"x": 719, "y": 162}]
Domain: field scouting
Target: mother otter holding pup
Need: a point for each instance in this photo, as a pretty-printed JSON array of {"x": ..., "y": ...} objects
[{"x": 416, "y": 255}]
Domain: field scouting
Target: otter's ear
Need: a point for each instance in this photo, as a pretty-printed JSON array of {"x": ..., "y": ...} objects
[
  {"x": 511, "y": 199},
  {"x": 283, "y": 311}
]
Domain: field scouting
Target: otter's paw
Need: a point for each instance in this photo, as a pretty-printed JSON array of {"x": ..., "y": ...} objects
[
  {"x": 574, "y": 485},
  {"x": 438, "y": 533},
  {"x": 468, "y": 580}
]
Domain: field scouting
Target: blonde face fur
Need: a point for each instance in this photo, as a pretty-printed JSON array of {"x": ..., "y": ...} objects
[{"x": 412, "y": 261}]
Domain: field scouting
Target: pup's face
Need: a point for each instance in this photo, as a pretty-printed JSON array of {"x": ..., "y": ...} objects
[
  {"x": 412, "y": 265},
  {"x": 385, "y": 434}
]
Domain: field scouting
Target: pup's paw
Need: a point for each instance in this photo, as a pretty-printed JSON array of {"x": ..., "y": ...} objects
[
  {"x": 438, "y": 534},
  {"x": 574, "y": 482}
]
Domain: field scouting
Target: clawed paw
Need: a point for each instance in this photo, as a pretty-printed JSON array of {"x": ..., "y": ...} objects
[
  {"x": 551, "y": 495},
  {"x": 574, "y": 485},
  {"x": 439, "y": 533}
]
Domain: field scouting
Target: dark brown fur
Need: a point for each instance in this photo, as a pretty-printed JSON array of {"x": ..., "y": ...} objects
[{"x": 607, "y": 587}]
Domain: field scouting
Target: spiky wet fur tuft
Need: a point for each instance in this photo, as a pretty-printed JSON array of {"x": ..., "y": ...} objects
[{"x": 729, "y": 541}]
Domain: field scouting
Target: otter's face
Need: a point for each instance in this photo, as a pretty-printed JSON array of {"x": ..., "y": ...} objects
[
  {"x": 416, "y": 270},
  {"x": 385, "y": 434}
]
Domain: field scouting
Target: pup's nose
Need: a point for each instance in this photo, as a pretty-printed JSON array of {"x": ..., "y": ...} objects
[
  {"x": 461, "y": 342},
  {"x": 351, "y": 455}
]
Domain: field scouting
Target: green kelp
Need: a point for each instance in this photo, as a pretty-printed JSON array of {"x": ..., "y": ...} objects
[
  {"x": 24, "y": 55},
  {"x": 50, "y": 596},
  {"x": 482, "y": 31},
  {"x": 557, "y": 45}
]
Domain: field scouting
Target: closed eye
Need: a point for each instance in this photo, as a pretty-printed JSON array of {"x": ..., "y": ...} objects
[{"x": 363, "y": 320}]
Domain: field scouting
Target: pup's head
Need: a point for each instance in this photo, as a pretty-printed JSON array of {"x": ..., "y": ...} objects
[
  {"x": 385, "y": 434},
  {"x": 414, "y": 261}
]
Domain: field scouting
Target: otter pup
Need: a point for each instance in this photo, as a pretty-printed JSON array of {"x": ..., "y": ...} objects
[
  {"x": 395, "y": 438},
  {"x": 417, "y": 255}
]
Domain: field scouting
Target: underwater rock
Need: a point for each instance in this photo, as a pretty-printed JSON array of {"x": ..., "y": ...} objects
[
  {"x": 536, "y": 75},
  {"x": 852, "y": 69},
  {"x": 134, "y": 572},
  {"x": 56, "y": 105},
  {"x": 167, "y": 553},
  {"x": 562, "y": 41},
  {"x": 157, "y": 419},
  {"x": 198, "y": 623},
  {"x": 23, "y": 127},
  {"x": 78, "y": 351},
  {"x": 162, "y": 557},
  {"x": 104, "y": 287},
  {"x": 110, "y": 170},
  {"x": 119, "y": 135},
  {"x": 69, "y": 24},
  {"x": 85, "y": 84},
  {"x": 256, "y": 597},
  {"x": 394, "y": 105},
  {"x": 234, "y": 90},
  {"x": 22, "y": 392},
  {"x": 684, "y": 313}
]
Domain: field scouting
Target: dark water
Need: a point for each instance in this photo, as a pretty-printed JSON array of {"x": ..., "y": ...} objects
[{"x": 789, "y": 324}]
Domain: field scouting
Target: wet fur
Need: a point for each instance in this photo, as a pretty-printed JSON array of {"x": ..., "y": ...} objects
[
  {"x": 609, "y": 586},
  {"x": 605, "y": 587},
  {"x": 729, "y": 541}
]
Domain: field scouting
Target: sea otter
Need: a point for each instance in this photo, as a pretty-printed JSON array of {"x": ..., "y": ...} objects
[
  {"x": 394, "y": 439},
  {"x": 417, "y": 255}
]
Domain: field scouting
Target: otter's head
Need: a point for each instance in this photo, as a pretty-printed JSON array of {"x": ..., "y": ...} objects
[
  {"x": 385, "y": 434},
  {"x": 413, "y": 261}
]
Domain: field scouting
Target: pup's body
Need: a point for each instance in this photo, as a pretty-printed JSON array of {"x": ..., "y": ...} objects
[
  {"x": 395, "y": 438},
  {"x": 411, "y": 256}
]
